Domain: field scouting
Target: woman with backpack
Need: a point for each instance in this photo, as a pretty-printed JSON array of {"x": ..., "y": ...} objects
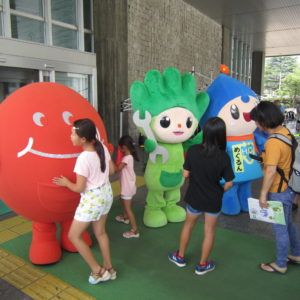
[{"x": 277, "y": 155}]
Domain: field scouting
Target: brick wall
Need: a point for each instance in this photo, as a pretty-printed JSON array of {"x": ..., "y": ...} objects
[
  {"x": 164, "y": 33},
  {"x": 171, "y": 33}
]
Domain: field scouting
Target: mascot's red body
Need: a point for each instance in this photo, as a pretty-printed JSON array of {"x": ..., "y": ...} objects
[{"x": 35, "y": 146}]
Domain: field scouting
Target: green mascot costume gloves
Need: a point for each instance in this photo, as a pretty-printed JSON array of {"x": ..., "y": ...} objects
[{"x": 167, "y": 112}]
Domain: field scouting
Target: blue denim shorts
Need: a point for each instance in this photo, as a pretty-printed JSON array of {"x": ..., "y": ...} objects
[{"x": 193, "y": 211}]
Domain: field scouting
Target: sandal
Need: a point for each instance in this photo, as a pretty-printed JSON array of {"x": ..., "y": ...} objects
[
  {"x": 113, "y": 273},
  {"x": 121, "y": 219},
  {"x": 131, "y": 234},
  {"x": 95, "y": 278},
  {"x": 293, "y": 261},
  {"x": 273, "y": 270}
]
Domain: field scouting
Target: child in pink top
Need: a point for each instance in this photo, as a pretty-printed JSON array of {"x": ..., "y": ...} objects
[
  {"x": 128, "y": 187},
  {"x": 93, "y": 167}
]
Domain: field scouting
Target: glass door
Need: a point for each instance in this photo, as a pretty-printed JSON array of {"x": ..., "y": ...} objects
[
  {"x": 80, "y": 83},
  {"x": 13, "y": 78}
]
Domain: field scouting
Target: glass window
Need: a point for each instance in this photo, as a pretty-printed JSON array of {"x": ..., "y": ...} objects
[
  {"x": 13, "y": 78},
  {"x": 87, "y": 14},
  {"x": 34, "y": 7},
  {"x": 64, "y": 37},
  {"x": 27, "y": 29},
  {"x": 64, "y": 11},
  {"x": 78, "y": 82},
  {"x": 88, "y": 42}
]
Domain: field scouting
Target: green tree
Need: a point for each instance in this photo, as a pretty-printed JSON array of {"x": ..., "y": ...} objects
[
  {"x": 276, "y": 69},
  {"x": 291, "y": 87}
]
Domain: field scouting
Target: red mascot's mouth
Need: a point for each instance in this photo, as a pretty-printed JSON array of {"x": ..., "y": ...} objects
[{"x": 28, "y": 148}]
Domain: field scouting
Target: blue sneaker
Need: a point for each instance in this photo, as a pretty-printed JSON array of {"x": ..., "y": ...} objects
[
  {"x": 210, "y": 266},
  {"x": 180, "y": 262}
]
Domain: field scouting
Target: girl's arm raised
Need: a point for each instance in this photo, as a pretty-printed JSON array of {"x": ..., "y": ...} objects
[{"x": 77, "y": 187}]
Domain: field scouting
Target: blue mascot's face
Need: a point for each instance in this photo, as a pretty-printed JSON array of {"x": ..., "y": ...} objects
[{"x": 236, "y": 114}]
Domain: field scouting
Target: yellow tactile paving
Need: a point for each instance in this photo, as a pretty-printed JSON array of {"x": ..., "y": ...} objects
[
  {"x": 36, "y": 283},
  {"x": 14, "y": 221},
  {"x": 24, "y": 276},
  {"x": 13, "y": 227},
  {"x": 45, "y": 288},
  {"x": 7, "y": 235},
  {"x": 22, "y": 228},
  {"x": 3, "y": 253},
  {"x": 10, "y": 263}
]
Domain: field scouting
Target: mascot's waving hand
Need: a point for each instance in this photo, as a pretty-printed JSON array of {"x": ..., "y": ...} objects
[{"x": 167, "y": 111}]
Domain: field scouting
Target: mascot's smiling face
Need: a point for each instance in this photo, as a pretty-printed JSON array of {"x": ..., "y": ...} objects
[
  {"x": 236, "y": 115},
  {"x": 174, "y": 125},
  {"x": 35, "y": 128}
]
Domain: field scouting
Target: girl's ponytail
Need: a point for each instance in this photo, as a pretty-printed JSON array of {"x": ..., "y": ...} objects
[{"x": 100, "y": 151}]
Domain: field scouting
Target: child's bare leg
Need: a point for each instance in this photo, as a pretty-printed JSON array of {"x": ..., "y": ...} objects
[
  {"x": 187, "y": 228},
  {"x": 209, "y": 237},
  {"x": 75, "y": 236},
  {"x": 125, "y": 215},
  {"x": 103, "y": 240},
  {"x": 128, "y": 211}
]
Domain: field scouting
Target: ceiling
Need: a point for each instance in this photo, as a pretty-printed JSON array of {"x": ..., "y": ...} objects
[{"x": 271, "y": 26}]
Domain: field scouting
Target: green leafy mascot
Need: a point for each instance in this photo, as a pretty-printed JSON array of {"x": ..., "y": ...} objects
[{"x": 167, "y": 112}]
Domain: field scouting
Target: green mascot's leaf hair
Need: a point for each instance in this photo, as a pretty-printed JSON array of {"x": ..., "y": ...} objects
[{"x": 160, "y": 92}]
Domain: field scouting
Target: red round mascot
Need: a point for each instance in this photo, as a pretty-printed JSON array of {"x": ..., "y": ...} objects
[{"x": 35, "y": 128}]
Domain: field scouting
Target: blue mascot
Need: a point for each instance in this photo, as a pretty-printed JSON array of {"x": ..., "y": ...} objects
[{"x": 232, "y": 101}]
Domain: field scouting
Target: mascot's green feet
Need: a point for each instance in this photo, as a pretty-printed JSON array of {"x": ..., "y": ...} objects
[
  {"x": 155, "y": 217},
  {"x": 174, "y": 213}
]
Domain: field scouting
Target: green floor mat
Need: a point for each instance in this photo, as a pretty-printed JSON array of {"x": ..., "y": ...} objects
[
  {"x": 3, "y": 208},
  {"x": 145, "y": 273}
]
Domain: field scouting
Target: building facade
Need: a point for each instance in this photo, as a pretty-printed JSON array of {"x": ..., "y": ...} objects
[{"x": 99, "y": 48}]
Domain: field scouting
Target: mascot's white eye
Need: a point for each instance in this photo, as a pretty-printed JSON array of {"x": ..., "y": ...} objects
[
  {"x": 66, "y": 116},
  {"x": 234, "y": 111},
  {"x": 165, "y": 122},
  {"x": 189, "y": 122},
  {"x": 37, "y": 118}
]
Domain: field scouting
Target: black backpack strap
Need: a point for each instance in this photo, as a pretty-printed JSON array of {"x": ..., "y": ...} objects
[{"x": 282, "y": 179}]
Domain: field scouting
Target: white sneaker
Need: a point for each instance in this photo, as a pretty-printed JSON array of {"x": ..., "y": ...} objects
[
  {"x": 113, "y": 275},
  {"x": 131, "y": 234},
  {"x": 94, "y": 279},
  {"x": 121, "y": 219}
]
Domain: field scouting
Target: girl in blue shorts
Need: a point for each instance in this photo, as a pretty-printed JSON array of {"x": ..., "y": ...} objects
[
  {"x": 92, "y": 168},
  {"x": 205, "y": 165}
]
